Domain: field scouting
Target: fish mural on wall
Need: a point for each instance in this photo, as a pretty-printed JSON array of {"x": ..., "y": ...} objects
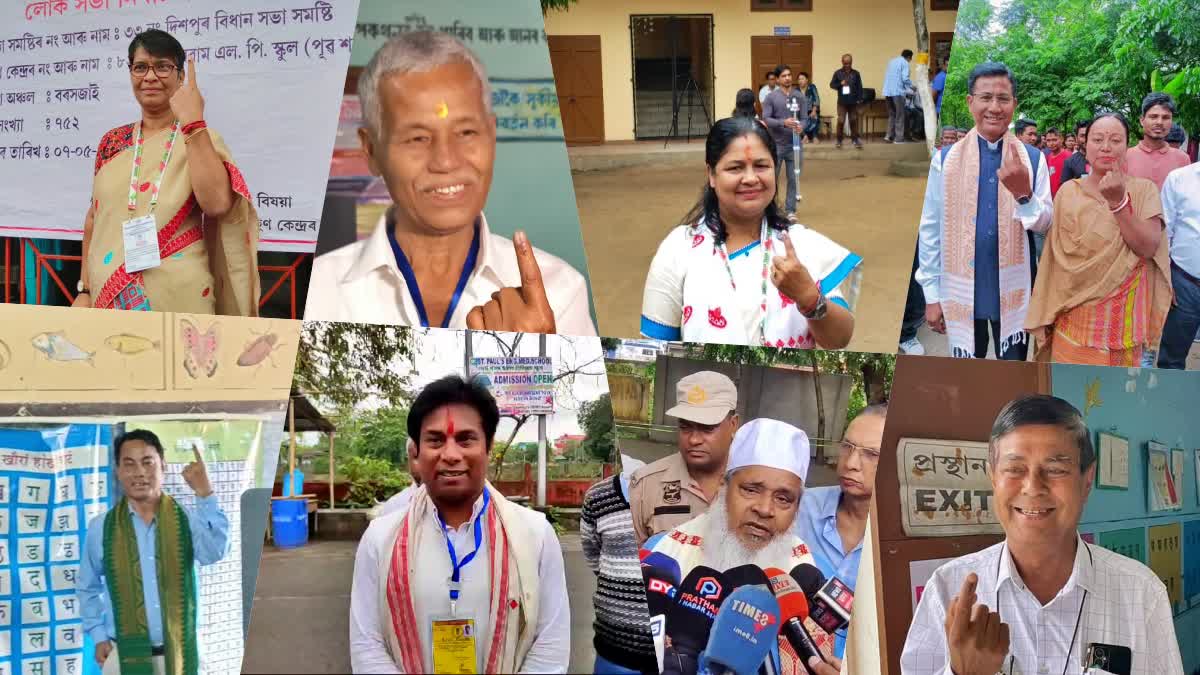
[
  {"x": 57, "y": 347},
  {"x": 126, "y": 344},
  {"x": 200, "y": 349}
]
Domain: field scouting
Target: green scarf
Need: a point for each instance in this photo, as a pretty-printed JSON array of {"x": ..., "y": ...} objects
[{"x": 177, "y": 587}]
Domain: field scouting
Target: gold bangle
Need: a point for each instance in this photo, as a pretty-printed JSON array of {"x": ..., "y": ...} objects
[{"x": 194, "y": 134}]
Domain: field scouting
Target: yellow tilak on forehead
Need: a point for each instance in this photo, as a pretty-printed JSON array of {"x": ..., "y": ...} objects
[{"x": 443, "y": 110}]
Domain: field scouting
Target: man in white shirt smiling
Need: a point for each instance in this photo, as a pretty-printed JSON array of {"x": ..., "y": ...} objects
[
  {"x": 460, "y": 580},
  {"x": 430, "y": 132},
  {"x": 1044, "y": 595}
]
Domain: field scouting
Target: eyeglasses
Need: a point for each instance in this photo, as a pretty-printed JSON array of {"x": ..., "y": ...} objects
[
  {"x": 987, "y": 99},
  {"x": 846, "y": 448},
  {"x": 160, "y": 69}
]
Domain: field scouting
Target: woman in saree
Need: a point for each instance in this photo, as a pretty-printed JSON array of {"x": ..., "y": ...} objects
[
  {"x": 1103, "y": 287},
  {"x": 171, "y": 226},
  {"x": 812, "y": 125},
  {"x": 736, "y": 272}
]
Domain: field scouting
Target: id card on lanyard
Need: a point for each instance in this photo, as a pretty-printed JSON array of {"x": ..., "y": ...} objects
[
  {"x": 453, "y": 636},
  {"x": 140, "y": 235}
]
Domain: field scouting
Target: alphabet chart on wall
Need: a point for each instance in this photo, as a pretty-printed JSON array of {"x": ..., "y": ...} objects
[{"x": 53, "y": 480}]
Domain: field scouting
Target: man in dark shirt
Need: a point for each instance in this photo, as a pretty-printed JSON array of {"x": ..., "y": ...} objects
[
  {"x": 1076, "y": 164},
  {"x": 847, "y": 82},
  {"x": 781, "y": 111}
]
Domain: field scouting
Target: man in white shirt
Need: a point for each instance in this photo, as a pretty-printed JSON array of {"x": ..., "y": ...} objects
[
  {"x": 986, "y": 190},
  {"x": 1037, "y": 601},
  {"x": 895, "y": 85},
  {"x": 462, "y": 580},
  {"x": 430, "y": 132},
  {"x": 400, "y": 500},
  {"x": 769, "y": 87},
  {"x": 1181, "y": 212}
]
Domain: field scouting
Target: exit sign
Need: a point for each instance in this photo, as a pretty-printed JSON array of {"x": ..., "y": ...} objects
[{"x": 783, "y": 31}]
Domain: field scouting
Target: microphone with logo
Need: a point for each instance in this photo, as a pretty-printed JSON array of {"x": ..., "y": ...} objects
[
  {"x": 698, "y": 598},
  {"x": 661, "y": 575},
  {"x": 829, "y": 601},
  {"x": 743, "y": 633},
  {"x": 793, "y": 609}
]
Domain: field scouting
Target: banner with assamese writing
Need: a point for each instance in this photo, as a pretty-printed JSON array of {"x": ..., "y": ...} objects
[
  {"x": 271, "y": 73},
  {"x": 522, "y": 385},
  {"x": 944, "y": 488}
]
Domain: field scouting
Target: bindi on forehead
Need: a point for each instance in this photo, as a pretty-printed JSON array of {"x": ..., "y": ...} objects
[
  {"x": 442, "y": 110},
  {"x": 449, "y": 422}
]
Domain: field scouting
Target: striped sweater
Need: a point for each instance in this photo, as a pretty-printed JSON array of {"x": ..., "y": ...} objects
[{"x": 622, "y": 632}]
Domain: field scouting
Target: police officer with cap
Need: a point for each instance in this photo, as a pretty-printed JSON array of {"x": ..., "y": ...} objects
[{"x": 677, "y": 488}]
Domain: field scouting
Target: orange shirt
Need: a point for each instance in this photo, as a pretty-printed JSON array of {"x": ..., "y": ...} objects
[{"x": 1154, "y": 164}]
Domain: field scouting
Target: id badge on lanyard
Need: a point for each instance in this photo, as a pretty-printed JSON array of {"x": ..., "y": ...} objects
[
  {"x": 140, "y": 235},
  {"x": 453, "y": 642}
]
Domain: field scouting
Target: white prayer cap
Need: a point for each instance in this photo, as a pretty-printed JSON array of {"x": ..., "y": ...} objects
[{"x": 770, "y": 443}]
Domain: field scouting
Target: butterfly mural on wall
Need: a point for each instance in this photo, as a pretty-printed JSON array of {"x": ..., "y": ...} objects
[{"x": 200, "y": 349}]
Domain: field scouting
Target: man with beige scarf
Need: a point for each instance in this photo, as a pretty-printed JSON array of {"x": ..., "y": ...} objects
[
  {"x": 984, "y": 195},
  {"x": 460, "y": 580}
]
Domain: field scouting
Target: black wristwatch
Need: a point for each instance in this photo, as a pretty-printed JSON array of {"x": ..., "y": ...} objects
[{"x": 819, "y": 310}]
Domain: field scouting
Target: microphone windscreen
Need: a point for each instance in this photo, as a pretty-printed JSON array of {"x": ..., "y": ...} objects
[
  {"x": 745, "y": 575},
  {"x": 744, "y": 632},
  {"x": 792, "y": 603},
  {"x": 697, "y": 600},
  {"x": 666, "y": 565},
  {"x": 660, "y": 590},
  {"x": 809, "y": 578}
]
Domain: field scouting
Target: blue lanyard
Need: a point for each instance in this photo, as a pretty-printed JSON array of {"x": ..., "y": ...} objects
[
  {"x": 411, "y": 279},
  {"x": 455, "y": 563}
]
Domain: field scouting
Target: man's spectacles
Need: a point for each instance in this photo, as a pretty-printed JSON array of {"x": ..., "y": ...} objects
[
  {"x": 846, "y": 448},
  {"x": 988, "y": 98},
  {"x": 160, "y": 69}
]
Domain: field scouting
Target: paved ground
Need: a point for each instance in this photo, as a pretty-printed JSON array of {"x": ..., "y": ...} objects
[
  {"x": 300, "y": 622},
  {"x": 626, "y": 212},
  {"x": 937, "y": 345}
]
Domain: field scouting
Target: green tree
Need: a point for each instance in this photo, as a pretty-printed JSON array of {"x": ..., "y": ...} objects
[
  {"x": 342, "y": 364},
  {"x": 384, "y": 435},
  {"x": 1073, "y": 58},
  {"x": 596, "y": 419}
]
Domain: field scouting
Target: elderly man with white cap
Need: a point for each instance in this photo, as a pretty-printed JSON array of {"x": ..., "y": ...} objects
[
  {"x": 681, "y": 486},
  {"x": 750, "y": 521}
]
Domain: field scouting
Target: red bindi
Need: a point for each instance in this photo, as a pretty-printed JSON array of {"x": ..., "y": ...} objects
[
  {"x": 449, "y": 423},
  {"x": 749, "y": 160}
]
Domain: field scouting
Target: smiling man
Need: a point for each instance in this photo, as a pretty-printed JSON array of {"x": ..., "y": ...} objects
[
  {"x": 1037, "y": 601},
  {"x": 461, "y": 579},
  {"x": 983, "y": 195},
  {"x": 432, "y": 260},
  {"x": 681, "y": 486},
  {"x": 833, "y": 519},
  {"x": 139, "y": 576}
]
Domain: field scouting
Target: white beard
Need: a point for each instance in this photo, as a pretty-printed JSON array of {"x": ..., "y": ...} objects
[{"x": 722, "y": 550}]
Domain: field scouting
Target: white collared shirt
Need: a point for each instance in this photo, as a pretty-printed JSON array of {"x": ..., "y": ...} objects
[
  {"x": 1035, "y": 216},
  {"x": 362, "y": 283},
  {"x": 551, "y": 649},
  {"x": 1125, "y": 605},
  {"x": 1181, "y": 211}
]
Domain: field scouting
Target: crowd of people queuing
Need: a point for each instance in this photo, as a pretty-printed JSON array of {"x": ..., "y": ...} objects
[{"x": 1097, "y": 260}]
